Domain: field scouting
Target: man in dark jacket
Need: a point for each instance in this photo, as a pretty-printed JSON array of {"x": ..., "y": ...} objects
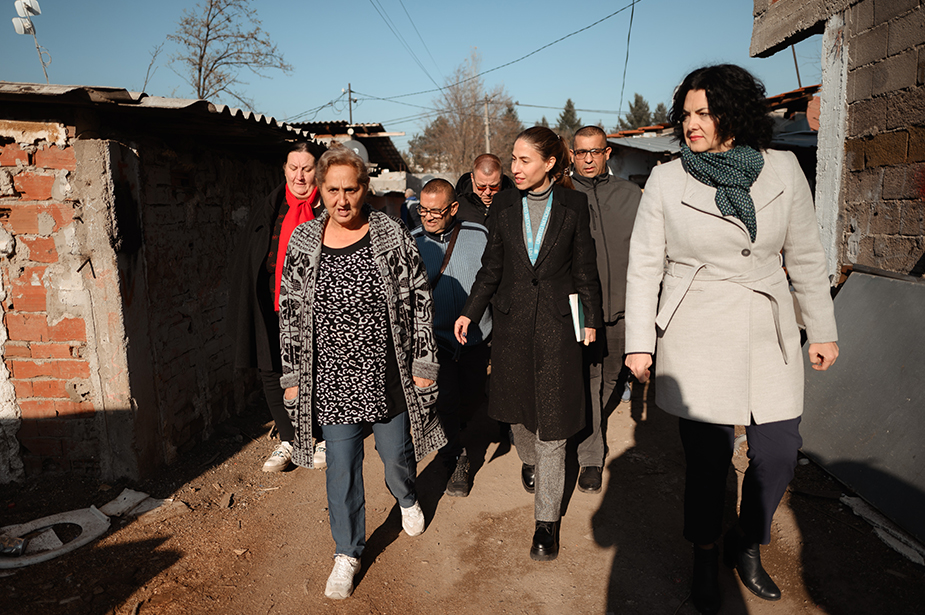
[
  {"x": 477, "y": 189},
  {"x": 613, "y": 203}
]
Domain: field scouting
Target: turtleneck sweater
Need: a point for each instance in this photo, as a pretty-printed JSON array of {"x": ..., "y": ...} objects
[{"x": 536, "y": 204}]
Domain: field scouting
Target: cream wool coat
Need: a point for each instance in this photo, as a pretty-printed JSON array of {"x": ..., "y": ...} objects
[{"x": 725, "y": 332}]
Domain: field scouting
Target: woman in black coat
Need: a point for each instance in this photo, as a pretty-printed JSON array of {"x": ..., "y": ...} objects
[
  {"x": 253, "y": 309},
  {"x": 539, "y": 252}
]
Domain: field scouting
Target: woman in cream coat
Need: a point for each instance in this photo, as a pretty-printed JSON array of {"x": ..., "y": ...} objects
[{"x": 714, "y": 228}]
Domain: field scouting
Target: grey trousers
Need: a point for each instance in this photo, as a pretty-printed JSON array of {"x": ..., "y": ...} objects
[
  {"x": 548, "y": 457},
  {"x": 604, "y": 360}
]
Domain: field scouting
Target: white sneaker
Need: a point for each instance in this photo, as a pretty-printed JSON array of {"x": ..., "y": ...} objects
[
  {"x": 412, "y": 520},
  {"x": 319, "y": 459},
  {"x": 340, "y": 583},
  {"x": 279, "y": 459}
]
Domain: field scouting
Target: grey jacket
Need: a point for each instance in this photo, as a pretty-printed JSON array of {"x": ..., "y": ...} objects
[
  {"x": 613, "y": 203},
  {"x": 410, "y": 312}
]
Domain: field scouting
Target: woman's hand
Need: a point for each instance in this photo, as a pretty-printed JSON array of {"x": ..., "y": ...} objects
[
  {"x": 460, "y": 328},
  {"x": 291, "y": 393},
  {"x": 823, "y": 355},
  {"x": 590, "y": 336},
  {"x": 639, "y": 363},
  {"x": 422, "y": 383}
]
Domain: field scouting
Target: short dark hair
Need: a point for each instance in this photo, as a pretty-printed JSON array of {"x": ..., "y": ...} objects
[
  {"x": 487, "y": 164},
  {"x": 737, "y": 104},
  {"x": 440, "y": 186},
  {"x": 308, "y": 147},
  {"x": 590, "y": 131},
  {"x": 336, "y": 156}
]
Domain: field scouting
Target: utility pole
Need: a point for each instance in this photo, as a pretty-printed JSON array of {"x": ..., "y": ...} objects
[
  {"x": 350, "y": 102},
  {"x": 793, "y": 48},
  {"x": 487, "y": 138}
]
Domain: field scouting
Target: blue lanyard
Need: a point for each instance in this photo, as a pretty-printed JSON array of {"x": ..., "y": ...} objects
[{"x": 533, "y": 243}]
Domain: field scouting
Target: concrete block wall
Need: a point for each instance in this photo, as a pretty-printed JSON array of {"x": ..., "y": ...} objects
[
  {"x": 884, "y": 190},
  {"x": 195, "y": 201},
  {"x": 47, "y": 422}
]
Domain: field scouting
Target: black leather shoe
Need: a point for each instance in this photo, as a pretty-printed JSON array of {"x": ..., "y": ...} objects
[
  {"x": 528, "y": 478},
  {"x": 545, "y": 541},
  {"x": 705, "y": 583},
  {"x": 746, "y": 559},
  {"x": 589, "y": 479}
]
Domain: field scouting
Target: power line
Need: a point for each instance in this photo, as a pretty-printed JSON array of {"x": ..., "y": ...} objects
[
  {"x": 388, "y": 22},
  {"x": 627, "y": 60},
  {"x": 520, "y": 59},
  {"x": 314, "y": 111},
  {"x": 420, "y": 38},
  {"x": 520, "y": 104}
]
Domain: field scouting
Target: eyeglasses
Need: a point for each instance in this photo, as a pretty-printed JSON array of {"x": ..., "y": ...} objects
[
  {"x": 581, "y": 153},
  {"x": 488, "y": 187},
  {"x": 436, "y": 213}
]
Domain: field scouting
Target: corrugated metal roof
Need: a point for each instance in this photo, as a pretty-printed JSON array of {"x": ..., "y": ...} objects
[
  {"x": 124, "y": 99},
  {"x": 655, "y": 144}
]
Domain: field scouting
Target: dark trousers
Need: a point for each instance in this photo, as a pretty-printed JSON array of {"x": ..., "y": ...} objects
[
  {"x": 462, "y": 387},
  {"x": 606, "y": 374},
  {"x": 274, "y": 394},
  {"x": 708, "y": 449}
]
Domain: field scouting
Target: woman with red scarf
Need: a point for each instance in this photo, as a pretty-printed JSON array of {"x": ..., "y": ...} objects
[{"x": 254, "y": 303}]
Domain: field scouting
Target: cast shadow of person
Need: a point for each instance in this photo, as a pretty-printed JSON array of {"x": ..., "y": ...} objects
[
  {"x": 846, "y": 567},
  {"x": 641, "y": 514}
]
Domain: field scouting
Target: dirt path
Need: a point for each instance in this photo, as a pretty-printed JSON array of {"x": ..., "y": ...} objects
[{"x": 269, "y": 551}]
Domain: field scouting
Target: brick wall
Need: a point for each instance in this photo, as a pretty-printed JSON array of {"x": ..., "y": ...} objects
[
  {"x": 45, "y": 351},
  {"x": 115, "y": 356},
  {"x": 884, "y": 211}
]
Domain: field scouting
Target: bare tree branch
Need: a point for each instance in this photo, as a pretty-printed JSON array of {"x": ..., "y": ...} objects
[
  {"x": 457, "y": 135},
  {"x": 150, "y": 73},
  {"x": 219, "y": 39}
]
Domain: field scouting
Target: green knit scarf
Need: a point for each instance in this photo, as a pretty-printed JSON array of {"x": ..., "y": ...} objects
[{"x": 732, "y": 173}]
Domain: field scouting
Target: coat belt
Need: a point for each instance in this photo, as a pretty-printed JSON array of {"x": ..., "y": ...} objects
[{"x": 753, "y": 280}]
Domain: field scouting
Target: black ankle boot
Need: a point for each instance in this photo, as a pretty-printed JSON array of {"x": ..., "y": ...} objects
[
  {"x": 545, "y": 541},
  {"x": 528, "y": 477},
  {"x": 745, "y": 557},
  {"x": 705, "y": 583}
]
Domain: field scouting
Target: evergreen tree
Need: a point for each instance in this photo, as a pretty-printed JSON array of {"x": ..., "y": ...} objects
[
  {"x": 638, "y": 116},
  {"x": 568, "y": 122},
  {"x": 543, "y": 122},
  {"x": 661, "y": 114}
]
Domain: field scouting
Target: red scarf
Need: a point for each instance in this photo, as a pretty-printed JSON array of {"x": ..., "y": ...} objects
[{"x": 299, "y": 212}]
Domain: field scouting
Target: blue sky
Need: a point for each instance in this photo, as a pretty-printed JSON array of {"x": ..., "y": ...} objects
[{"x": 108, "y": 42}]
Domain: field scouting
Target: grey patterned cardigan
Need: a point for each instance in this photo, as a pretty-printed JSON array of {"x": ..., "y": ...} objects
[{"x": 410, "y": 315}]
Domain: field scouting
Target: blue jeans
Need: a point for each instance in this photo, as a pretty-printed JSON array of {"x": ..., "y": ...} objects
[{"x": 344, "y": 476}]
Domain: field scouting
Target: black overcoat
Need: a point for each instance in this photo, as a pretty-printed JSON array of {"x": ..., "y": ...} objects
[
  {"x": 536, "y": 364},
  {"x": 252, "y": 319}
]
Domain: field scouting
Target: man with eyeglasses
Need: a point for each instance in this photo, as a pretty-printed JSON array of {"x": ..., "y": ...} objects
[
  {"x": 477, "y": 189},
  {"x": 613, "y": 203},
  {"x": 452, "y": 253}
]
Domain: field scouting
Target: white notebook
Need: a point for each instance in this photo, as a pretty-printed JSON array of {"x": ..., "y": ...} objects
[{"x": 578, "y": 317}]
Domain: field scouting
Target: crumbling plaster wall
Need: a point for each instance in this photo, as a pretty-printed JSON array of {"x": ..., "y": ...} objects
[{"x": 50, "y": 360}]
